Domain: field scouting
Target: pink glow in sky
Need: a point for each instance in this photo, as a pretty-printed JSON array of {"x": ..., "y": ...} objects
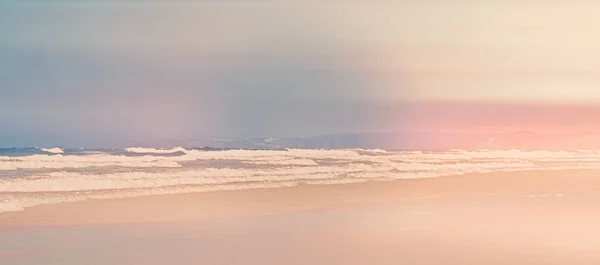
[{"x": 238, "y": 69}]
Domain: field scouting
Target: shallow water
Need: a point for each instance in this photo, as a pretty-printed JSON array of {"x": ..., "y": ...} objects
[{"x": 81, "y": 174}]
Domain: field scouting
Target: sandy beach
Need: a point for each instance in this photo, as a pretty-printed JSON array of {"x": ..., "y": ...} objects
[
  {"x": 532, "y": 217},
  {"x": 299, "y": 132}
]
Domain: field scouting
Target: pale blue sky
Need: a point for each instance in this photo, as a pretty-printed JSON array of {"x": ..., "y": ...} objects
[
  {"x": 74, "y": 71},
  {"x": 96, "y": 72}
]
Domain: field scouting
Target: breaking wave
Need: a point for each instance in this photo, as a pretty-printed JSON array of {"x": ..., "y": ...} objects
[
  {"x": 141, "y": 150},
  {"x": 31, "y": 176},
  {"x": 54, "y": 150}
]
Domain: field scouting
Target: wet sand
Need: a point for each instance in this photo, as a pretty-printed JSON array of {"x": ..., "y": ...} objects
[{"x": 537, "y": 217}]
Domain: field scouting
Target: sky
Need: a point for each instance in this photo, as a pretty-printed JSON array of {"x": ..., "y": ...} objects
[{"x": 105, "y": 72}]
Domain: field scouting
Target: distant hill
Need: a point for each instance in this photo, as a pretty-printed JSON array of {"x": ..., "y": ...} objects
[{"x": 420, "y": 141}]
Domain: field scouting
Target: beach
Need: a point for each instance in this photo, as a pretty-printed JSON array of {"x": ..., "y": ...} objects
[
  {"x": 299, "y": 132},
  {"x": 520, "y": 217}
]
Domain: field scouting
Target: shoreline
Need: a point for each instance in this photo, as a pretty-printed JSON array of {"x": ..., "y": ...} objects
[{"x": 301, "y": 199}]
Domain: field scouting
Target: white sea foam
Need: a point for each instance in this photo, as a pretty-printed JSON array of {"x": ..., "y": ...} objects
[
  {"x": 85, "y": 161},
  {"x": 285, "y": 162},
  {"x": 54, "y": 150},
  {"x": 142, "y": 150},
  {"x": 58, "y": 178}
]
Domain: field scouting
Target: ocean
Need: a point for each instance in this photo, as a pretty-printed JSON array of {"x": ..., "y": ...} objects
[{"x": 34, "y": 176}]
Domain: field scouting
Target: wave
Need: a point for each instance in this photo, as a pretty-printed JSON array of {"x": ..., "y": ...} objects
[
  {"x": 85, "y": 173},
  {"x": 87, "y": 161},
  {"x": 142, "y": 150},
  {"x": 14, "y": 151},
  {"x": 74, "y": 181},
  {"x": 54, "y": 150},
  {"x": 157, "y": 158},
  {"x": 27, "y": 151}
]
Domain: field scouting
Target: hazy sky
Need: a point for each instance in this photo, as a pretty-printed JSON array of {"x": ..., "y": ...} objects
[{"x": 92, "y": 72}]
